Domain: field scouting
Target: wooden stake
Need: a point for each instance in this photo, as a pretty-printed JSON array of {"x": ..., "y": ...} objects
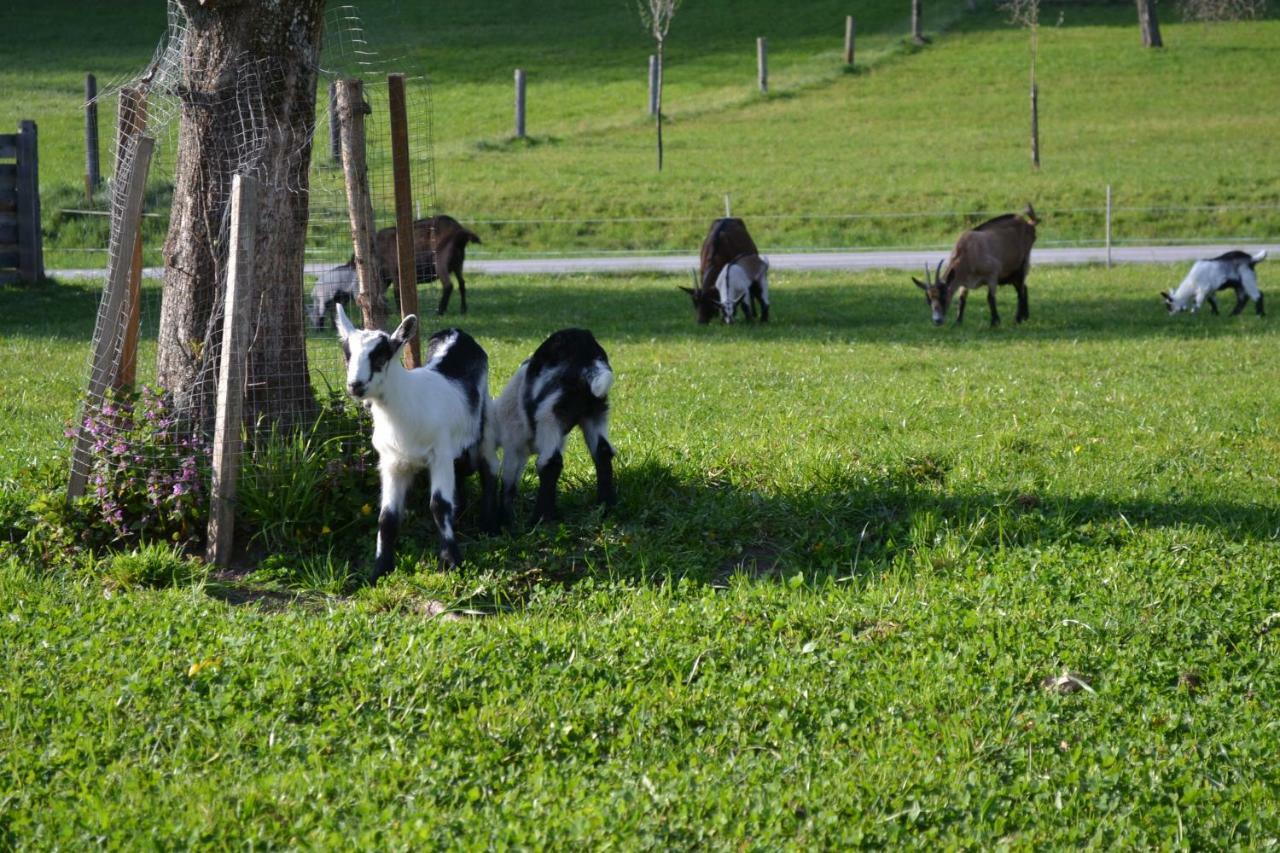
[
  {"x": 653, "y": 84},
  {"x": 1108, "y": 236},
  {"x": 335, "y": 125},
  {"x": 92, "y": 172},
  {"x": 351, "y": 112},
  {"x": 405, "y": 254},
  {"x": 762, "y": 63},
  {"x": 105, "y": 348},
  {"x": 231, "y": 372},
  {"x": 519, "y": 103},
  {"x": 850, "y": 28},
  {"x": 1035, "y": 125}
]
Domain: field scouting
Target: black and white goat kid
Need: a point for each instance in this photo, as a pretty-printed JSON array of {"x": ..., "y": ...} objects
[
  {"x": 437, "y": 416},
  {"x": 565, "y": 383},
  {"x": 1234, "y": 271}
]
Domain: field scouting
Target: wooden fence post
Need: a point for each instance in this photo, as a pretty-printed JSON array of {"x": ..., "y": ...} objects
[
  {"x": 1035, "y": 125},
  {"x": 335, "y": 126},
  {"x": 762, "y": 63},
  {"x": 727, "y": 210},
  {"x": 92, "y": 171},
  {"x": 850, "y": 28},
  {"x": 653, "y": 85},
  {"x": 407, "y": 266},
  {"x": 231, "y": 371},
  {"x": 519, "y": 103},
  {"x": 132, "y": 113},
  {"x": 105, "y": 350},
  {"x": 1108, "y": 235},
  {"x": 30, "y": 245},
  {"x": 351, "y": 112}
]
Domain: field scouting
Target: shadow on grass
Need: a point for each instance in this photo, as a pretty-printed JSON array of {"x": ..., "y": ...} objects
[{"x": 851, "y": 524}]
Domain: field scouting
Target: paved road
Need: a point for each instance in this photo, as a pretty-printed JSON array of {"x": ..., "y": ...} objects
[{"x": 905, "y": 260}]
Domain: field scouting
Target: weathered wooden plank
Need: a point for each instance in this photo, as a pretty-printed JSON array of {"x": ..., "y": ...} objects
[
  {"x": 8, "y": 150},
  {"x": 231, "y": 371},
  {"x": 8, "y": 199},
  {"x": 8, "y": 277},
  {"x": 106, "y": 346},
  {"x": 132, "y": 112},
  {"x": 8, "y": 173},
  {"x": 8, "y": 232},
  {"x": 9, "y": 260}
]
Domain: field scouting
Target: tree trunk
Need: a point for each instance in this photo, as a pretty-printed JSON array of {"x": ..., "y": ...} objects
[
  {"x": 1149, "y": 24},
  {"x": 247, "y": 104},
  {"x": 917, "y": 21},
  {"x": 659, "y": 104}
]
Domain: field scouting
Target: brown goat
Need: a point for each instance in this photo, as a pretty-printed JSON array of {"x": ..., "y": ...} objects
[
  {"x": 996, "y": 252},
  {"x": 439, "y": 248},
  {"x": 727, "y": 241}
]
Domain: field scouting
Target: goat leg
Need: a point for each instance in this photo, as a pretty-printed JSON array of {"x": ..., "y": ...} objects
[
  {"x": 548, "y": 476},
  {"x": 595, "y": 434},
  {"x": 991, "y": 303}
]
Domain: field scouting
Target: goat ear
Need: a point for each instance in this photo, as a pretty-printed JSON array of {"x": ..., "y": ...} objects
[
  {"x": 341, "y": 322},
  {"x": 405, "y": 331},
  {"x": 688, "y": 290},
  {"x": 920, "y": 284}
]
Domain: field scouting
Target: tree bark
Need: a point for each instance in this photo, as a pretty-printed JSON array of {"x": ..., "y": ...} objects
[
  {"x": 247, "y": 93},
  {"x": 1149, "y": 24}
]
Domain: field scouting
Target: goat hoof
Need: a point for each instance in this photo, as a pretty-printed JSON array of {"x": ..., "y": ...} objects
[{"x": 450, "y": 556}]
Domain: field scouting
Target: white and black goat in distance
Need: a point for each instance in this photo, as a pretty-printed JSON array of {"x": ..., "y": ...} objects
[
  {"x": 336, "y": 286},
  {"x": 1234, "y": 271},
  {"x": 744, "y": 282},
  {"x": 436, "y": 417},
  {"x": 565, "y": 383}
]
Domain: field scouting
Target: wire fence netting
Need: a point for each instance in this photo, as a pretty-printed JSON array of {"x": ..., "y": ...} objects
[{"x": 143, "y": 435}]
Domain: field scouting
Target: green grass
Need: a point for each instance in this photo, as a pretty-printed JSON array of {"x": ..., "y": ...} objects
[
  {"x": 849, "y": 549},
  {"x": 937, "y": 130}
]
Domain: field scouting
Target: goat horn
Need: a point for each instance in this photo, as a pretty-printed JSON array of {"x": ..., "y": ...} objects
[
  {"x": 926, "y": 273},
  {"x": 937, "y": 275}
]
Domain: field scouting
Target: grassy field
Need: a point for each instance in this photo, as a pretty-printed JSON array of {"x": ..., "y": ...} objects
[
  {"x": 850, "y": 550},
  {"x": 869, "y": 582},
  {"x": 827, "y": 159}
]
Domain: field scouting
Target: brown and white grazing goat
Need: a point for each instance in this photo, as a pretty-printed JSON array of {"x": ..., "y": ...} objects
[
  {"x": 996, "y": 252},
  {"x": 727, "y": 241},
  {"x": 565, "y": 383}
]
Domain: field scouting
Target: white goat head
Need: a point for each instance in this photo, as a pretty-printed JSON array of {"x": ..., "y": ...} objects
[{"x": 368, "y": 353}]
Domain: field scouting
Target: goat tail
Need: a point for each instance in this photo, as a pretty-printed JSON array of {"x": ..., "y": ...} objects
[
  {"x": 470, "y": 236},
  {"x": 1260, "y": 257},
  {"x": 599, "y": 379},
  {"x": 1030, "y": 213}
]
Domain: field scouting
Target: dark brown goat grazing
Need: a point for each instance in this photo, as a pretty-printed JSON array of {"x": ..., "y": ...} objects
[
  {"x": 996, "y": 252},
  {"x": 727, "y": 241},
  {"x": 439, "y": 248}
]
